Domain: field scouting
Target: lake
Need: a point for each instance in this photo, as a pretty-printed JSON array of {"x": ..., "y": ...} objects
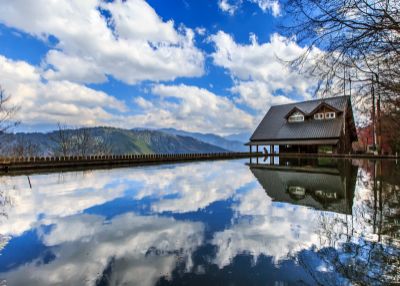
[{"x": 273, "y": 222}]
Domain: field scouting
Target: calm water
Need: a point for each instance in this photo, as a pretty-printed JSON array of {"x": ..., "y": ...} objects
[{"x": 208, "y": 223}]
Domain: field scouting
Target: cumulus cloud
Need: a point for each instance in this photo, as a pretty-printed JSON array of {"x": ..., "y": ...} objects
[
  {"x": 171, "y": 189},
  {"x": 192, "y": 108},
  {"x": 265, "y": 228},
  {"x": 54, "y": 195},
  {"x": 49, "y": 102},
  {"x": 260, "y": 77},
  {"x": 125, "y": 39},
  {"x": 269, "y": 5},
  {"x": 231, "y": 6},
  {"x": 184, "y": 107},
  {"x": 139, "y": 249},
  {"x": 180, "y": 193}
]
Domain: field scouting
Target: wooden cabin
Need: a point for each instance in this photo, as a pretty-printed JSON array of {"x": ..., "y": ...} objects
[
  {"x": 319, "y": 187},
  {"x": 315, "y": 126}
]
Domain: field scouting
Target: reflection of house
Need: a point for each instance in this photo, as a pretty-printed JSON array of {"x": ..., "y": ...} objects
[
  {"x": 332, "y": 191},
  {"x": 311, "y": 126}
]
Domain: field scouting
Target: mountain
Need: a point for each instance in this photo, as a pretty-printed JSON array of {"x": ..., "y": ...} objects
[
  {"x": 241, "y": 137},
  {"x": 117, "y": 141},
  {"x": 232, "y": 145}
]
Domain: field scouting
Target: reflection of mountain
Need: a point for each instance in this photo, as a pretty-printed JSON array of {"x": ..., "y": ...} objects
[{"x": 324, "y": 189}]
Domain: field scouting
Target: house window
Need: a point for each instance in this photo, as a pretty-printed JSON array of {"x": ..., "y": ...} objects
[
  {"x": 296, "y": 117},
  {"x": 330, "y": 115},
  {"x": 319, "y": 116}
]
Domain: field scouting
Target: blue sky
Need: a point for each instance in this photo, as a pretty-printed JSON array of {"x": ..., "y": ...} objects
[{"x": 204, "y": 66}]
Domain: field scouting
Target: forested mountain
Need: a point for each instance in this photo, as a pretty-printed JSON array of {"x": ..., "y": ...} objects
[
  {"x": 101, "y": 140},
  {"x": 234, "y": 145}
]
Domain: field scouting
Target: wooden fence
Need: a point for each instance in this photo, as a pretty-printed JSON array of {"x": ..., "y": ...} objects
[{"x": 31, "y": 163}]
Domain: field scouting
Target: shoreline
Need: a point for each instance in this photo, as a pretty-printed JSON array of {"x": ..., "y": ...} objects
[{"x": 9, "y": 166}]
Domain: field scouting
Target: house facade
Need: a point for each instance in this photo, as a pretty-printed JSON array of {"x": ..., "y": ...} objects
[{"x": 316, "y": 126}]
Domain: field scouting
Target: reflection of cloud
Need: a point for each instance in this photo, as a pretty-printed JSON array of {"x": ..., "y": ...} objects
[
  {"x": 265, "y": 228},
  {"x": 129, "y": 248},
  {"x": 197, "y": 185},
  {"x": 51, "y": 197},
  {"x": 192, "y": 186},
  {"x": 281, "y": 230}
]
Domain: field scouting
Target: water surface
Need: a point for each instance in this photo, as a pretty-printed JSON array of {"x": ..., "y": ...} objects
[{"x": 293, "y": 222}]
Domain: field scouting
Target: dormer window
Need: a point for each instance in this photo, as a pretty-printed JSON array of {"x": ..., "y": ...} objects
[
  {"x": 326, "y": 115},
  {"x": 319, "y": 116},
  {"x": 296, "y": 117},
  {"x": 330, "y": 115}
]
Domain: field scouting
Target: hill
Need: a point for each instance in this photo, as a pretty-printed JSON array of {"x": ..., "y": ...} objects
[
  {"x": 232, "y": 145},
  {"x": 116, "y": 141}
]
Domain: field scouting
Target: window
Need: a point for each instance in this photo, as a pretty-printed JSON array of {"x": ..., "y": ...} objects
[
  {"x": 330, "y": 115},
  {"x": 319, "y": 116},
  {"x": 326, "y": 115},
  {"x": 296, "y": 117}
]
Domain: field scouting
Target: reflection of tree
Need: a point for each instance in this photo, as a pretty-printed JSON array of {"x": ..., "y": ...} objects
[
  {"x": 369, "y": 254},
  {"x": 6, "y": 202}
]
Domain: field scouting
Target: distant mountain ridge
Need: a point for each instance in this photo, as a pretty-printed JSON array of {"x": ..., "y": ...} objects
[
  {"x": 232, "y": 145},
  {"x": 120, "y": 141}
]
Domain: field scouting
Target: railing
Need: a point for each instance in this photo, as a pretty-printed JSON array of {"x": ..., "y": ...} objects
[{"x": 7, "y": 164}]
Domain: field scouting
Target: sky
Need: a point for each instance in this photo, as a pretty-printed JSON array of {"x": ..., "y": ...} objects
[{"x": 211, "y": 66}]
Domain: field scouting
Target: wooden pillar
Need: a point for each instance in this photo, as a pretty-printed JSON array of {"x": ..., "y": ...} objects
[
  {"x": 251, "y": 149},
  {"x": 257, "y": 153},
  {"x": 272, "y": 154}
]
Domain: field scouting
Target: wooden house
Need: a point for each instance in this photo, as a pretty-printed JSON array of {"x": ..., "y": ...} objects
[{"x": 316, "y": 126}]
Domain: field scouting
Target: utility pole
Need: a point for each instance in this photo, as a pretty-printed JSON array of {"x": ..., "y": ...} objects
[
  {"x": 378, "y": 110},
  {"x": 373, "y": 115}
]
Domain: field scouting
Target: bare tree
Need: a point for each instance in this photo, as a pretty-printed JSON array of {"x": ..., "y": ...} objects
[
  {"x": 86, "y": 143},
  {"x": 25, "y": 148},
  {"x": 352, "y": 45},
  {"x": 79, "y": 142},
  {"x": 359, "y": 39},
  {"x": 7, "y": 112},
  {"x": 63, "y": 141}
]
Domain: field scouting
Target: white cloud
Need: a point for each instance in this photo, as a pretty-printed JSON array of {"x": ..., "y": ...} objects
[
  {"x": 184, "y": 107},
  {"x": 228, "y": 6},
  {"x": 58, "y": 196},
  {"x": 49, "y": 102},
  {"x": 55, "y": 195},
  {"x": 133, "y": 44},
  {"x": 201, "y": 31},
  {"x": 187, "y": 192},
  {"x": 264, "y": 228},
  {"x": 231, "y": 6},
  {"x": 260, "y": 76},
  {"x": 269, "y": 5},
  {"x": 257, "y": 95},
  {"x": 192, "y": 108},
  {"x": 125, "y": 243}
]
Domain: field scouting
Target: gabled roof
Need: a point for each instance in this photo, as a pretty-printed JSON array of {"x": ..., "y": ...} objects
[
  {"x": 274, "y": 125},
  {"x": 276, "y": 183},
  {"x": 293, "y": 110},
  {"x": 324, "y": 103}
]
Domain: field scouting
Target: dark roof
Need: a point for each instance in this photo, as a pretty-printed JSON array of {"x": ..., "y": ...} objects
[
  {"x": 274, "y": 125},
  {"x": 277, "y": 182},
  {"x": 300, "y": 142}
]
